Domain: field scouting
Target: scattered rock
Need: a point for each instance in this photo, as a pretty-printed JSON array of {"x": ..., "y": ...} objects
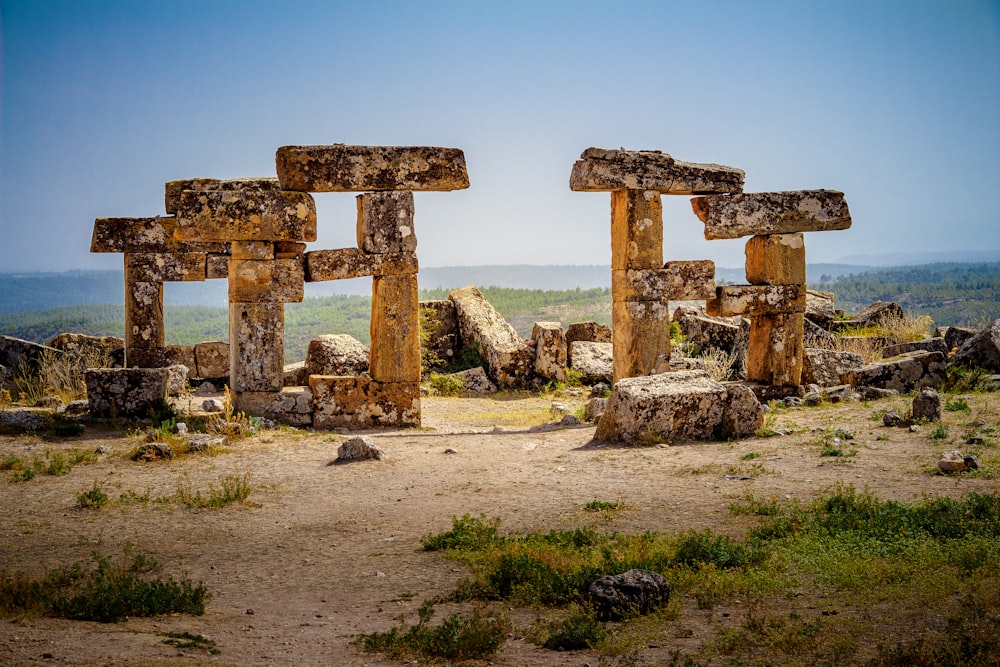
[
  {"x": 812, "y": 399},
  {"x": 875, "y": 314},
  {"x": 359, "y": 448},
  {"x": 153, "y": 451},
  {"x": 475, "y": 381},
  {"x": 509, "y": 362},
  {"x": 202, "y": 442},
  {"x": 206, "y": 389},
  {"x": 792, "y": 401},
  {"x": 971, "y": 461},
  {"x": 954, "y": 337},
  {"x": 559, "y": 409},
  {"x": 743, "y": 413},
  {"x": 600, "y": 390},
  {"x": 914, "y": 428},
  {"x": 593, "y": 360},
  {"x": 843, "y": 434},
  {"x": 295, "y": 375},
  {"x": 975, "y": 440},
  {"x": 631, "y": 593},
  {"x": 892, "y": 418},
  {"x": 569, "y": 420},
  {"x": 706, "y": 331},
  {"x": 594, "y": 408},
  {"x": 952, "y": 461},
  {"x": 102, "y": 449},
  {"x": 450, "y": 450},
  {"x": 176, "y": 378},
  {"x": 926, "y": 345},
  {"x": 819, "y": 309},
  {"x": 981, "y": 350},
  {"x": 336, "y": 354},
  {"x": 551, "y": 354},
  {"x": 927, "y": 405},
  {"x": 212, "y": 405},
  {"x": 904, "y": 373}
]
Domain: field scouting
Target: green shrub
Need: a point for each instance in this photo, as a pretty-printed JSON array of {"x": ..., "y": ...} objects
[
  {"x": 94, "y": 498},
  {"x": 457, "y": 638},
  {"x": 447, "y": 385},
  {"x": 698, "y": 549},
  {"x": 579, "y": 630},
  {"x": 466, "y": 534},
  {"x": 957, "y": 405}
]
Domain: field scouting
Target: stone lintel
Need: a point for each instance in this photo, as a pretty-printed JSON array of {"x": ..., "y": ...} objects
[
  {"x": 776, "y": 259},
  {"x": 359, "y": 401},
  {"x": 636, "y": 229},
  {"x": 219, "y": 215},
  {"x": 266, "y": 281},
  {"x": 679, "y": 281},
  {"x": 759, "y": 213},
  {"x": 152, "y": 267},
  {"x": 343, "y": 168},
  {"x": 155, "y": 234},
  {"x": 345, "y": 263},
  {"x": 173, "y": 189},
  {"x": 385, "y": 222},
  {"x": 754, "y": 300},
  {"x": 603, "y": 170}
]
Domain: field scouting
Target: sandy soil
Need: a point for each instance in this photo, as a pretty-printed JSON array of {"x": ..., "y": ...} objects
[{"x": 323, "y": 552}]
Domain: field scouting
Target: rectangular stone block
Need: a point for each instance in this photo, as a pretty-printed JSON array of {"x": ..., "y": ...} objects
[
  {"x": 289, "y": 250},
  {"x": 342, "y": 168},
  {"x": 395, "y": 330},
  {"x": 256, "y": 346},
  {"x": 509, "y": 361},
  {"x": 173, "y": 189},
  {"x": 760, "y": 213},
  {"x": 216, "y": 215},
  {"x": 347, "y": 263},
  {"x": 385, "y": 222},
  {"x": 776, "y": 259},
  {"x": 252, "y": 250},
  {"x": 154, "y": 234},
  {"x": 216, "y": 266},
  {"x": 120, "y": 392},
  {"x": 774, "y": 354},
  {"x": 676, "y": 280},
  {"x": 636, "y": 229},
  {"x": 551, "y": 351},
  {"x": 360, "y": 402},
  {"x": 757, "y": 300},
  {"x": 153, "y": 267},
  {"x": 603, "y": 170},
  {"x": 147, "y": 357},
  {"x": 264, "y": 281},
  {"x": 291, "y": 405},
  {"x": 212, "y": 359},
  {"x": 143, "y": 316},
  {"x": 183, "y": 355},
  {"x": 641, "y": 337}
]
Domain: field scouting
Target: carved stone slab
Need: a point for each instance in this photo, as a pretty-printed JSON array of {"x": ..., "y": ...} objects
[
  {"x": 154, "y": 234},
  {"x": 173, "y": 189},
  {"x": 757, "y": 300},
  {"x": 676, "y": 280},
  {"x": 347, "y": 263},
  {"x": 266, "y": 281},
  {"x": 220, "y": 215},
  {"x": 152, "y": 267},
  {"x": 603, "y": 170},
  {"x": 757, "y": 213}
]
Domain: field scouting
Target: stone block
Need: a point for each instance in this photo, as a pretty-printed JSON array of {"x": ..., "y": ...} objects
[
  {"x": 981, "y": 350},
  {"x": 774, "y": 353},
  {"x": 592, "y": 359},
  {"x": 17, "y": 354},
  {"x": 147, "y": 357},
  {"x": 143, "y": 316},
  {"x": 295, "y": 375},
  {"x": 147, "y": 267},
  {"x": 290, "y": 405},
  {"x": 177, "y": 374},
  {"x": 604, "y": 170},
  {"x": 173, "y": 189},
  {"x": 588, "y": 331},
  {"x": 91, "y": 351},
  {"x": 256, "y": 346},
  {"x": 182, "y": 355},
  {"x": 252, "y": 250},
  {"x": 760, "y": 213},
  {"x": 443, "y": 340},
  {"x": 663, "y": 408},
  {"x": 776, "y": 259},
  {"x": 212, "y": 359},
  {"x": 266, "y": 281},
  {"x": 342, "y": 168},
  {"x": 216, "y": 266},
  {"x": 474, "y": 381},
  {"x": 336, "y": 354},
  {"x": 926, "y": 345},
  {"x": 819, "y": 309},
  {"x": 551, "y": 352},
  {"x": 509, "y": 362},
  {"x": 289, "y": 250},
  {"x": 155, "y": 234},
  {"x": 385, "y": 222},
  {"x": 212, "y": 215},
  {"x": 360, "y": 402},
  {"x": 641, "y": 337},
  {"x": 878, "y": 313},
  {"x": 954, "y": 336},
  {"x": 121, "y": 392},
  {"x": 705, "y": 331},
  {"x": 743, "y": 414},
  {"x": 829, "y": 368},
  {"x": 755, "y": 300},
  {"x": 346, "y": 263},
  {"x": 904, "y": 373},
  {"x": 680, "y": 281},
  {"x": 395, "y": 330},
  {"x": 636, "y": 230}
]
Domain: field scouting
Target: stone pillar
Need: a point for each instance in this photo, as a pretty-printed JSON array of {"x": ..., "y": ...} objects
[
  {"x": 256, "y": 346},
  {"x": 144, "y": 328},
  {"x": 395, "y": 330}
]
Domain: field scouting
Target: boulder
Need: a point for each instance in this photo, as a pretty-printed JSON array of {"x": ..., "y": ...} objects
[
  {"x": 359, "y": 448},
  {"x": 212, "y": 359},
  {"x": 927, "y": 405},
  {"x": 955, "y": 461},
  {"x": 295, "y": 375},
  {"x": 336, "y": 354},
  {"x": 475, "y": 380},
  {"x": 92, "y": 351},
  {"x": 19, "y": 355},
  {"x": 743, "y": 414},
  {"x": 551, "y": 353},
  {"x": 594, "y": 409},
  {"x": 593, "y": 360},
  {"x": 509, "y": 361},
  {"x": 936, "y": 344},
  {"x": 588, "y": 331},
  {"x": 706, "y": 331},
  {"x": 981, "y": 350},
  {"x": 954, "y": 336},
  {"x": 120, "y": 392},
  {"x": 904, "y": 373},
  {"x": 443, "y": 340},
  {"x": 630, "y": 593},
  {"x": 22, "y": 420},
  {"x": 875, "y": 314},
  {"x": 153, "y": 451},
  {"x": 819, "y": 309},
  {"x": 829, "y": 367},
  {"x": 664, "y": 407},
  {"x": 212, "y": 405}
]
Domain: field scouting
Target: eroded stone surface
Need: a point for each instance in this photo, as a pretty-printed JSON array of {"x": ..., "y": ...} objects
[
  {"x": 641, "y": 337},
  {"x": 829, "y": 368},
  {"x": 164, "y": 267},
  {"x": 336, "y": 354},
  {"x": 212, "y": 359},
  {"x": 904, "y": 373},
  {"x": 155, "y": 234},
  {"x": 679, "y": 281},
  {"x": 257, "y": 340},
  {"x": 345, "y": 263},
  {"x": 776, "y": 259},
  {"x": 981, "y": 350},
  {"x": 216, "y": 215},
  {"x": 593, "y": 359},
  {"x": 509, "y": 362},
  {"x": 774, "y": 352},
  {"x": 819, "y": 308},
  {"x": 173, "y": 189},
  {"x": 359, "y": 401},
  {"x": 385, "y": 222},
  {"x": 759, "y": 213},
  {"x": 636, "y": 230},
  {"x": 706, "y": 331},
  {"x": 91, "y": 351},
  {"x": 755, "y": 300},
  {"x": 118, "y": 392},
  {"x": 343, "y": 168},
  {"x": 443, "y": 339},
  {"x": 926, "y": 345},
  {"x": 395, "y": 329},
  {"x": 606, "y": 170},
  {"x": 266, "y": 281},
  {"x": 291, "y": 405},
  {"x": 551, "y": 351},
  {"x": 144, "y": 326},
  {"x": 743, "y": 414},
  {"x": 588, "y": 331}
]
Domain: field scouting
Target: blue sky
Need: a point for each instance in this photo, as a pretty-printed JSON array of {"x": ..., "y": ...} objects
[{"x": 895, "y": 103}]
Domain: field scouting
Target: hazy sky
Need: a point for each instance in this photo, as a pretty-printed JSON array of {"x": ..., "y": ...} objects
[{"x": 895, "y": 103}]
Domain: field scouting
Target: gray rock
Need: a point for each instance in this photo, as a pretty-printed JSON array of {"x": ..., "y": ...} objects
[
  {"x": 819, "y": 309},
  {"x": 125, "y": 391},
  {"x": 904, "y": 373},
  {"x": 202, "y": 442},
  {"x": 77, "y": 407},
  {"x": 875, "y": 314},
  {"x": 593, "y": 360},
  {"x": 792, "y": 401},
  {"x": 926, "y": 345},
  {"x": 22, "y": 420},
  {"x": 630, "y": 593},
  {"x": 153, "y": 451},
  {"x": 812, "y": 398},
  {"x": 971, "y": 461},
  {"x": 981, "y": 350},
  {"x": 594, "y": 408},
  {"x": 829, "y": 367},
  {"x": 875, "y": 393},
  {"x": 600, "y": 390},
  {"x": 475, "y": 381},
  {"x": 91, "y": 351},
  {"x": 509, "y": 361},
  {"x": 206, "y": 389},
  {"x": 336, "y": 354},
  {"x": 569, "y": 420},
  {"x": 591, "y": 332},
  {"x": 212, "y": 405},
  {"x": 953, "y": 461},
  {"x": 295, "y": 375},
  {"x": 359, "y": 448},
  {"x": 706, "y": 331},
  {"x": 927, "y": 405},
  {"x": 743, "y": 414},
  {"x": 176, "y": 378},
  {"x": 816, "y": 336},
  {"x": 954, "y": 337},
  {"x": 550, "y": 351},
  {"x": 892, "y": 418}
]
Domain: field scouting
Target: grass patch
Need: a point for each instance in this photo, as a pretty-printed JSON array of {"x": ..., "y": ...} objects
[
  {"x": 93, "y": 498},
  {"x": 957, "y": 405},
  {"x": 55, "y": 463},
  {"x": 188, "y": 640},
  {"x": 940, "y": 432},
  {"x": 446, "y": 385},
  {"x": 232, "y": 489}
]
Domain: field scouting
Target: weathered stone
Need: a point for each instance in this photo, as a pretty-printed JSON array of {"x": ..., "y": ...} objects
[
  {"x": 814, "y": 335},
  {"x": 551, "y": 352},
  {"x": 347, "y": 263},
  {"x": 636, "y": 230},
  {"x": 119, "y": 392},
  {"x": 828, "y": 368},
  {"x": 342, "y": 168},
  {"x": 443, "y": 340},
  {"x": 51, "y": 402},
  {"x": 641, "y": 337},
  {"x": 213, "y": 215},
  {"x": 148, "y": 357},
  {"x": 256, "y": 346},
  {"x": 395, "y": 330},
  {"x": 212, "y": 359},
  {"x": 291, "y": 405},
  {"x": 706, "y": 331},
  {"x": 776, "y": 259},
  {"x": 951, "y": 462},
  {"x": 206, "y": 388},
  {"x": 588, "y": 331},
  {"x": 216, "y": 266},
  {"x": 509, "y": 362},
  {"x": 336, "y": 354},
  {"x": 358, "y": 401},
  {"x": 766, "y": 393},
  {"x": 743, "y": 414},
  {"x": 203, "y": 442},
  {"x": 954, "y": 337},
  {"x": 153, "y": 451},
  {"x": 92, "y": 351},
  {"x": 182, "y": 355},
  {"x": 176, "y": 378},
  {"x": 760, "y": 213},
  {"x": 664, "y": 407},
  {"x": 879, "y": 313},
  {"x": 875, "y": 393},
  {"x": 774, "y": 353},
  {"x": 475, "y": 381},
  {"x": 631, "y": 593},
  {"x": 359, "y": 448},
  {"x": 155, "y": 235},
  {"x": 23, "y": 420},
  {"x": 675, "y": 281},
  {"x": 819, "y": 309},
  {"x": 266, "y": 281},
  {"x": 926, "y": 405},
  {"x": 150, "y": 267},
  {"x": 981, "y": 350},
  {"x": 252, "y": 250},
  {"x": 173, "y": 189},
  {"x": 757, "y": 300},
  {"x": 212, "y": 405},
  {"x": 603, "y": 170},
  {"x": 593, "y": 360},
  {"x": 385, "y": 222},
  {"x": 594, "y": 409},
  {"x": 143, "y": 316},
  {"x": 926, "y": 345},
  {"x": 295, "y": 375},
  {"x": 904, "y": 373},
  {"x": 289, "y": 250}
]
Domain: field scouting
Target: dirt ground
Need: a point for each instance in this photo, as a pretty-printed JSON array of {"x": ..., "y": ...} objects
[{"x": 320, "y": 553}]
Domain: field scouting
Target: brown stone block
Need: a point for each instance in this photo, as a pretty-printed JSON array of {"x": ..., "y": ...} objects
[
  {"x": 347, "y": 263},
  {"x": 776, "y": 259},
  {"x": 395, "y": 330},
  {"x": 212, "y": 359},
  {"x": 291, "y": 405},
  {"x": 173, "y": 189},
  {"x": 359, "y": 401},
  {"x": 774, "y": 355},
  {"x": 676, "y": 280},
  {"x": 760, "y": 213},
  {"x": 154, "y": 234},
  {"x": 636, "y": 229},
  {"x": 342, "y": 168},
  {"x": 385, "y": 222},
  {"x": 216, "y": 266},
  {"x": 603, "y": 170},
  {"x": 153, "y": 267},
  {"x": 641, "y": 337},
  {"x": 251, "y": 250},
  {"x": 289, "y": 250},
  {"x": 757, "y": 300},
  {"x": 256, "y": 346},
  {"x": 551, "y": 350},
  {"x": 181, "y": 354},
  {"x": 217, "y": 215},
  {"x": 266, "y": 281},
  {"x": 147, "y": 357},
  {"x": 143, "y": 316}
]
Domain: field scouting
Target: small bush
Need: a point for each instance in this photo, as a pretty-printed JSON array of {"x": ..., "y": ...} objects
[
  {"x": 962, "y": 379},
  {"x": 466, "y": 534},
  {"x": 447, "y": 385},
  {"x": 94, "y": 498},
  {"x": 457, "y": 638},
  {"x": 706, "y": 548},
  {"x": 940, "y": 432},
  {"x": 957, "y": 405},
  {"x": 579, "y": 630},
  {"x": 830, "y": 450},
  {"x": 234, "y": 489},
  {"x": 603, "y": 506}
]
